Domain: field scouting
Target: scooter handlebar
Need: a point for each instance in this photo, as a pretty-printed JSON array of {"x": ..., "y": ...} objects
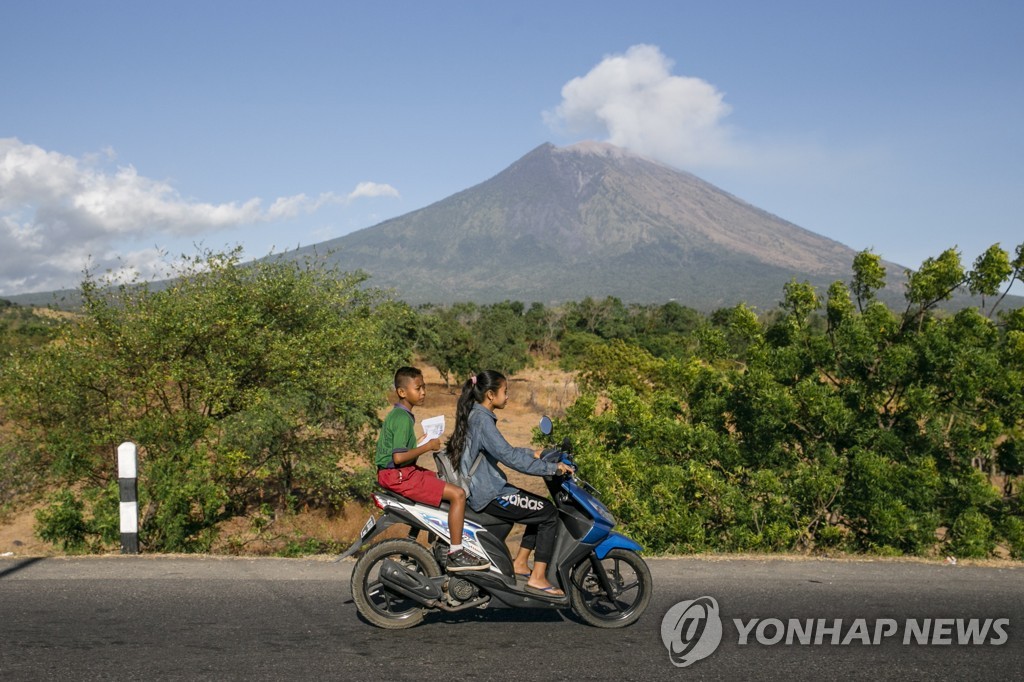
[
  {"x": 558, "y": 456},
  {"x": 551, "y": 455}
]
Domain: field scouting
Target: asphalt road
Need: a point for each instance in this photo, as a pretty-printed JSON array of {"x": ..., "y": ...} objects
[{"x": 203, "y": 618}]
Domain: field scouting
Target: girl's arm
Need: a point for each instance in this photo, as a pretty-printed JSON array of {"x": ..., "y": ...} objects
[{"x": 520, "y": 459}]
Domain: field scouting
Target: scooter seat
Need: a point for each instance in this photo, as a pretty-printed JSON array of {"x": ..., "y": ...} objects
[
  {"x": 483, "y": 518},
  {"x": 498, "y": 526},
  {"x": 402, "y": 498}
]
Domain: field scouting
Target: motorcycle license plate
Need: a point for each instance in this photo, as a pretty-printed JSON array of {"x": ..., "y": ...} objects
[{"x": 370, "y": 523}]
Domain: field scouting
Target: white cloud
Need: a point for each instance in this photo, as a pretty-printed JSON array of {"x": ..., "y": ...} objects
[
  {"x": 372, "y": 189},
  {"x": 633, "y": 100},
  {"x": 59, "y": 213}
]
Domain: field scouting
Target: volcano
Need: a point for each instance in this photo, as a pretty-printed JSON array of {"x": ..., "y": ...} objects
[{"x": 591, "y": 219}]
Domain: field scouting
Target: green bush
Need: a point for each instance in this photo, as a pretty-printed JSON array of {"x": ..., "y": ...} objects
[
  {"x": 241, "y": 384},
  {"x": 1012, "y": 529},
  {"x": 861, "y": 430},
  {"x": 63, "y": 522},
  {"x": 892, "y": 505},
  {"x": 972, "y": 535},
  {"x": 466, "y": 338}
]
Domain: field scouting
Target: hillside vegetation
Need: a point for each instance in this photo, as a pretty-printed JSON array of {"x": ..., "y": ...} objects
[{"x": 834, "y": 424}]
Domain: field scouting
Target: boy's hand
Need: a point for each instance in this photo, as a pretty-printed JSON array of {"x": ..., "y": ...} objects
[{"x": 434, "y": 444}]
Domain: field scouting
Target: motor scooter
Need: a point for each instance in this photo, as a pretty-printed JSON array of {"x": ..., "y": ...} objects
[{"x": 396, "y": 582}]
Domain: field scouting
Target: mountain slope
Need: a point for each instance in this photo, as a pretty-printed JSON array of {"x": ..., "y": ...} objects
[{"x": 591, "y": 220}]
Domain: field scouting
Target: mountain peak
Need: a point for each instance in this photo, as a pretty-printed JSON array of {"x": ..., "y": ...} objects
[{"x": 595, "y": 148}]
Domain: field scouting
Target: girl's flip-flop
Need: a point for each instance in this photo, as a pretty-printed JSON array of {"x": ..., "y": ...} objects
[{"x": 545, "y": 591}]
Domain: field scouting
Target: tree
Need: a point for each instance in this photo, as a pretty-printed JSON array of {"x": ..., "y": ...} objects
[
  {"x": 447, "y": 344},
  {"x": 500, "y": 336},
  {"x": 465, "y": 339},
  {"x": 608, "y": 319},
  {"x": 868, "y": 277},
  {"x": 541, "y": 328},
  {"x": 242, "y": 385},
  {"x": 863, "y": 429}
]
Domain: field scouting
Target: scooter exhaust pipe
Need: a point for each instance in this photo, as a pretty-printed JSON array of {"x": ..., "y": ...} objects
[{"x": 415, "y": 586}]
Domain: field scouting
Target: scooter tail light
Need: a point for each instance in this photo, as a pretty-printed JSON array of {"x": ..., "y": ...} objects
[{"x": 379, "y": 502}]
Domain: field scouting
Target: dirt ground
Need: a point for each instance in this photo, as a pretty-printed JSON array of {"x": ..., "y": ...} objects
[
  {"x": 533, "y": 393},
  {"x": 18, "y": 539}
]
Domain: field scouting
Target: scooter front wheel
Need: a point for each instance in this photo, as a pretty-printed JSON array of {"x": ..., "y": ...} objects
[
  {"x": 376, "y": 603},
  {"x": 617, "y": 595}
]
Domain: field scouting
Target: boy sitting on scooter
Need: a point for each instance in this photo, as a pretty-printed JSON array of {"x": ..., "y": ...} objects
[{"x": 397, "y": 469}]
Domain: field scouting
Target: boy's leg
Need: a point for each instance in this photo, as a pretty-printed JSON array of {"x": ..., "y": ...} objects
[
  {"x": 414, "y": 482},
  {"x": 456, "y": 498},
  {"x": 458, "y": 558}
]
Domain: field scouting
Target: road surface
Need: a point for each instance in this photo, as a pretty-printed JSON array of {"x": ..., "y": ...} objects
[{"x": 203, "y": 618}]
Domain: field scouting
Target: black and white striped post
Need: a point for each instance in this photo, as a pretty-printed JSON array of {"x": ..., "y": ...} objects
[{"x": 127, "y": 483}]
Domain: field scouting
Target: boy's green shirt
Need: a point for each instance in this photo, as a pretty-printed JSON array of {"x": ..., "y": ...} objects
[{"x": 396, "y": 435}]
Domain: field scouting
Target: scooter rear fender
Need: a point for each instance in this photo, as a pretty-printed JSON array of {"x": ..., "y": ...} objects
[{"x": 390, "y": 517}]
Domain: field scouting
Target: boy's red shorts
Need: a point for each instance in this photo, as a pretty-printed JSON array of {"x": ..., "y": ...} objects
[{"x": 414, "y": 482}]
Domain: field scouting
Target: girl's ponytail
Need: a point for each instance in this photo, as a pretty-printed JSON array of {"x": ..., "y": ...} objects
[{"x": 473, "y": 391}]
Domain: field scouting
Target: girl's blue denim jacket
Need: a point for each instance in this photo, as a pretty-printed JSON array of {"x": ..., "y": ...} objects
[{"x": 489, "y": 482}]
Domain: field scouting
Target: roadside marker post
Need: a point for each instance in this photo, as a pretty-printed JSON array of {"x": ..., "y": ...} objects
[{"x": 127, "y": 483}]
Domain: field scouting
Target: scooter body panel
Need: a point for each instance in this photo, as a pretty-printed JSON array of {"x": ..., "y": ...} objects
[{"x": 616, "y": 541}]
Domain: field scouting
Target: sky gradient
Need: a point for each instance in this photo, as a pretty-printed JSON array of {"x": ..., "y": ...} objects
[{"x": 132, "y": 132}]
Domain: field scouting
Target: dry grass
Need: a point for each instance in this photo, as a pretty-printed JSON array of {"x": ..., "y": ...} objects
[{"x": 17, "y": 534}]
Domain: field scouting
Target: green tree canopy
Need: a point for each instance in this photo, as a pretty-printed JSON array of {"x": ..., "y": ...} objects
[
  {"x": 242, "y": 385},
  {"x": 863, "y": 429},
  {"x": 467, "y": 338}
]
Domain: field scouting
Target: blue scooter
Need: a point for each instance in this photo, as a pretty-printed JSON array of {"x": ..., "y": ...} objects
[{"x": 396, "y": 582}]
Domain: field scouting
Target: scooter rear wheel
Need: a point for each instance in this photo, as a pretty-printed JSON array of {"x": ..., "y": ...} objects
[
  {"x": 379, "y": 605},
  {"x": 630, "y": 581}
]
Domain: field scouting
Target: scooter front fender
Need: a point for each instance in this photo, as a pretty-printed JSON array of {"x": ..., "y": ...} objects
[{"x": 615, "y": 541}]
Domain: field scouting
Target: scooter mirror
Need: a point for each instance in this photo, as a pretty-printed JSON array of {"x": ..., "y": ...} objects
[{"x": 545, "y": 425}]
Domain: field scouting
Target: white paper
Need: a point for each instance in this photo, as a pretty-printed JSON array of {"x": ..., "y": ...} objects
[{"x": 433, "y": 427}]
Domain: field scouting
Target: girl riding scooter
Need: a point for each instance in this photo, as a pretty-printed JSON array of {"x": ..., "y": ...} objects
[
  {"x": 395, "y": 582},
  {"x": 476, "y": 435}
]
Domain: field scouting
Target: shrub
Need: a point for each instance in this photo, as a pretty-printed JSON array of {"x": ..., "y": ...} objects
[
  {"x": 972, "y": 535},
  {"x": 241, "y": 384}
]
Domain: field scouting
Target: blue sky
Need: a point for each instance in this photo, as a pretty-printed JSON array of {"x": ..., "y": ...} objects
[{"x": 131, "y": 129}]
